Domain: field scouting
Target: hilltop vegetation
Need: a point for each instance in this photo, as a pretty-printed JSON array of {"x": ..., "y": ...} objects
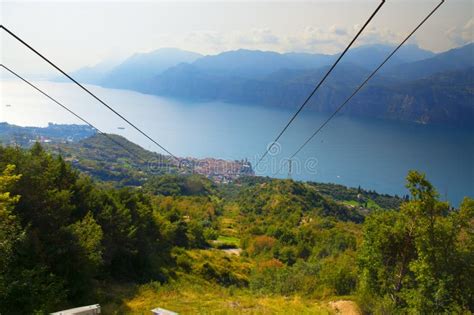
[
  {"x": 114, "y": 159},
  {"x": 103, "y": 159},
  {"x": 27, "y": 136},
  {"x": 257, "y": 245}
]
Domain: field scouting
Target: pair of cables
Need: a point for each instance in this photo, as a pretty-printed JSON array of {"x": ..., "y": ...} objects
[
  {"x": 110, "y": 108},
  {"x": 340, "y": 107}
]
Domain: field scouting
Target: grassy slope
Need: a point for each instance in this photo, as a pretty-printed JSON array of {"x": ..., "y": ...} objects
[
  {"x": 229, "y": 240},
  {"x": 190, "y": 293},
  {"x": 201, "y": 297}
]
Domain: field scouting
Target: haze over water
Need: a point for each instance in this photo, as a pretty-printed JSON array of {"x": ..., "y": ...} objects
[{"x": 351, "y": 151}]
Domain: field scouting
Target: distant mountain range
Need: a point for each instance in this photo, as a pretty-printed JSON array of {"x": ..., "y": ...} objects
[
  {"x": 135, "y": 70},
  {"x": 415, "y": 85}
]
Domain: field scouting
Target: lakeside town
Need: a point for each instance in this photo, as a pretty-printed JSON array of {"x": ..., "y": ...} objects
[{"x": 61, "y": 137}]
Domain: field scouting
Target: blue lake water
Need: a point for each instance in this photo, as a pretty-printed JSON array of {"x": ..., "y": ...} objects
[{"x": 350, "y": 151}]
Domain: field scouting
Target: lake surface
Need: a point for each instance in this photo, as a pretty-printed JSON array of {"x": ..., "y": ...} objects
[{"x": 350, "y": 151}]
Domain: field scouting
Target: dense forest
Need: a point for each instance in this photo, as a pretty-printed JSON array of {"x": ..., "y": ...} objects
[{"x": 257, "y": 245}]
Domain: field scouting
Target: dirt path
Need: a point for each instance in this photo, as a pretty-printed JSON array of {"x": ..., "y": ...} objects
[
  {"x": 233, "y": 251},
  {"x": 345, "y": 307}
]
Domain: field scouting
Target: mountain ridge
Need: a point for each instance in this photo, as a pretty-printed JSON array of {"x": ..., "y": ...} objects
[{"x": 285, "y": 79}]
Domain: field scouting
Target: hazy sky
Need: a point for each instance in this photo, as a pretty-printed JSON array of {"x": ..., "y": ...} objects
[{"x": 75, "y": 34}]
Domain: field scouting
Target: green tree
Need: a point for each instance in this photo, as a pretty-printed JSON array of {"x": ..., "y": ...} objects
[
  {"x": 23, "y": 288},
  {"x": 11, "y": 234},
  {"x": 67, "y": 231},
  {"x": 10, "y": 229},
  {"x": 89, "y": 237},
  {"x": 420, "y": 257}
]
